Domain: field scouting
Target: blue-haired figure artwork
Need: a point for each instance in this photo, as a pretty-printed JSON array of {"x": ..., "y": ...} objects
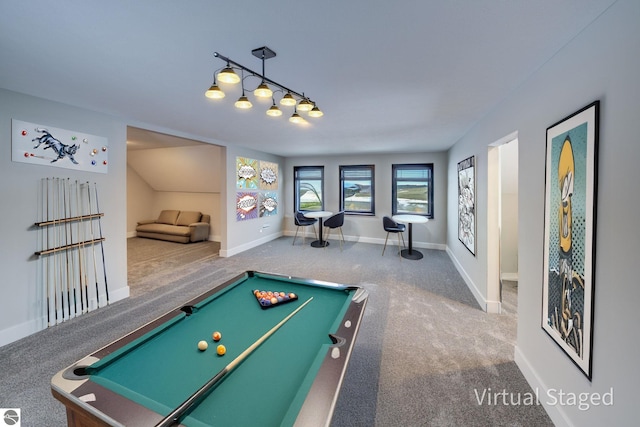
[
  {"x": 567, "y": 239},
  {"x": 569, "y": 234}
]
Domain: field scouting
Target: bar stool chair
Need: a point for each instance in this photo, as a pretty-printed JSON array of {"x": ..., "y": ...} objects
[
  {"x": 390, "y": 226},
  {"x": 302, "y": 221},
  {"x": 335, "y": 221}
]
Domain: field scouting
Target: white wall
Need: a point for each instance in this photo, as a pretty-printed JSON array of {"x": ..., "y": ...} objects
[
  {"x": 21, "y": 294},
  {"x": 239, "y": 236},
  {"x": 140, "y": 198},
  {"x": 600, "y": 63},
  {"x": 509, "y": 210},
  {"x": 369, "y": 228}
]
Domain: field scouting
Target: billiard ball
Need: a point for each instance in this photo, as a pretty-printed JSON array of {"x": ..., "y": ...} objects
[
  {"x": 202, "y": 345},
  {"x": 216, "y": 336},
  {"x": 221, "y": 350}
]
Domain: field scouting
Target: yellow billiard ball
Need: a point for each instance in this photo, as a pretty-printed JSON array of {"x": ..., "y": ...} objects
[
  {"x": 202, "y": 345},
  {"x": 221, "y": 350}
]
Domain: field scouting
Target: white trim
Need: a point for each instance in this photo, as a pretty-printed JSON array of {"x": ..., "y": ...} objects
[
  {"x": 23, "y": 330},
  {"x": 509, "y": 276},
  {"x": 224, "y": 253},
  {"x": 484, "y": 304},
  {"x": 16, "y": 332},
  {"x": 557, "y": 415},
  {"x": 377, "y": 241}
]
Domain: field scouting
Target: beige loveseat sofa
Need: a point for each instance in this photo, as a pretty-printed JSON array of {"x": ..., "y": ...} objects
[{"x": 176, "y": 226}]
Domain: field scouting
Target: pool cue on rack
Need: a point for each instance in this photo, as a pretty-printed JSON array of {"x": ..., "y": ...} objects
[
  {"x": 46, "y": 262},
  {"x": 81, "y": 260},
  {"x": 69, "y": 229},
  {"x": 54, "y": 255},
  {"x": 58, "y": 254},
  {"x": 104, "y": 268},
  {"x": 61, "y": 253},
  {"x": 93, "y": 245},
  {"x": 66, "y": 244},
  {"x": 175, "y": 416}
]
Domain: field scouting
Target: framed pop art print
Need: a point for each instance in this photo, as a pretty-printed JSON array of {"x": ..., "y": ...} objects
[{"x": 569, "y": 233}]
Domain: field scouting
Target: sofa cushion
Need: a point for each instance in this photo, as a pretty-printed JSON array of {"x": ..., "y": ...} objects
[
  {"x": 164, "y": 229},
  {"x": 188, "y": 217},
  {"x": 168, "y": 217}
]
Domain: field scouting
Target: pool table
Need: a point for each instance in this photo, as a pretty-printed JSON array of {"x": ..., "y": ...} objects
[{"x": 291, "y": 378}]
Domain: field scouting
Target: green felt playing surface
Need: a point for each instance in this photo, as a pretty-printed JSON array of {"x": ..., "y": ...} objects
[{"x": 165, "y": 367}]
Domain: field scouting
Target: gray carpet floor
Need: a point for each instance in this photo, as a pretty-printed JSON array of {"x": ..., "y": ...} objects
[{"x": 424, "y": 353}]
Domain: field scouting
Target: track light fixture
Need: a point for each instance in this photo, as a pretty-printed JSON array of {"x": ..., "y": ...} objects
[{"x": 266, "y": 88}]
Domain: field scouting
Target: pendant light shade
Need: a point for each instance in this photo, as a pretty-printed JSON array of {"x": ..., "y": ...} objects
[
  {"x": 214, "y": 92},
  {"x": 243, "y": 103},
  {"x": 288, "y": 100},
  {"x": 274, "y": 111},
  {"x": 315, "y": 112},
  {"x": 305, "y": 105},
  {"x": 263, "y": 91},
  {"x": 227, "y": 75},
  {"x": 295, "y": 118}
]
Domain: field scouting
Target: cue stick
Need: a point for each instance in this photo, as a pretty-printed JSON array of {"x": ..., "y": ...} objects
[
  {"x": 93, "y": 245},
  {"x": 180, "y": 411},
  {"x": 47, "y": 263},
  {"x": 54, "y": 255},
  {"x": 72, "y": 276},
  {"x": 81, "y": 258},
  {"x": 104, "y": 268},
  {"x": 66, "y": 243}
]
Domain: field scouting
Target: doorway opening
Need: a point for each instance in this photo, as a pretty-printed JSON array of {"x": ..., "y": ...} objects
[{"x": 502, "y": 225}]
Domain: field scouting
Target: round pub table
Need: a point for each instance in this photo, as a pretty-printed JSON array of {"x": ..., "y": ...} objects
[
  {"x": 320, "y": 243},
  {"x": 410, "y": 219}
]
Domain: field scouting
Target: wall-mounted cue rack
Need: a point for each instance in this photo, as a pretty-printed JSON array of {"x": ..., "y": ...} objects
[
  {"x": 73, "y": 272},
  {"x": 69, "y": 245}
]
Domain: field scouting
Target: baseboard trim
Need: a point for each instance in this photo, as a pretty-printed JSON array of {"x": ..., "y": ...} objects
[
  {"x": 509, "y": 276},
  {"x": 224, "y": 253},
  {"x": 23, "y": 330},
  {"x": 376, "y": 241},
  {"x": 557, "y": 415},
  {"x": 14, "y": 333},
  {"x": 488, "y": 306}
]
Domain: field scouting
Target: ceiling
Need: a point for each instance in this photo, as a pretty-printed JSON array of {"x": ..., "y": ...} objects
[{"x": 400, "y": 76}]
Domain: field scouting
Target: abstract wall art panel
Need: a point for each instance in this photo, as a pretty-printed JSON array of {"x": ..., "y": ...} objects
[
  {"x": 44, "y": 145},
  {"x": 247, "y": 173},
  {"x": 467, "y": 203}
]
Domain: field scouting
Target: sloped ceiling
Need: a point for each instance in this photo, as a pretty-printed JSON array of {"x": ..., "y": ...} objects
[{"x": 185, "y": 166}]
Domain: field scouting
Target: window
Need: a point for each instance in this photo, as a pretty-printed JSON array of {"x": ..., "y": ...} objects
[
  {"x": 308, "y": 188},
  {"x": 357, "y": 189},
  {"x": 412, "y": 191}
]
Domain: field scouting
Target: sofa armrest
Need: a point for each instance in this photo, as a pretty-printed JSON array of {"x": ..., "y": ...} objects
[
  {"x": 146, "y": 221},
  {"x": 199, "y": 231}
]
